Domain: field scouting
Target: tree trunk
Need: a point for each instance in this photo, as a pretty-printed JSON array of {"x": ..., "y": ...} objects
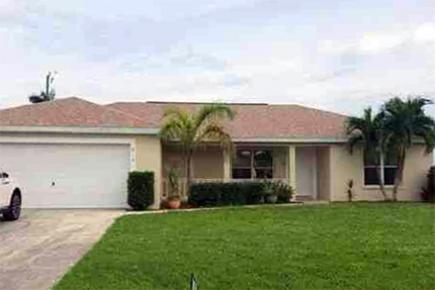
[
  {"x": 381, "y": 176},
  {"x": 399, "y": 172},
  {"x": 382, "y": 187},
  {"x": 188, "y": 171}
]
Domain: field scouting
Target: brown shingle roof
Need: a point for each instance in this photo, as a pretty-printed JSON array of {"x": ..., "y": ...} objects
[
  {"x": 255, "y": 120},
  {"x": 68, "y": 112}
]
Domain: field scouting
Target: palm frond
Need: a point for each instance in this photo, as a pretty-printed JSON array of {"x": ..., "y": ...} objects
[
  {"x": 212, "y": 112},
  {"x": 353, "y": 140},
  {"x": 214, "y": 132},
  {"x": 192, "y": 130},
  {"x": 405, "y": 120},
  {"x": 366, "y": 130},
  {"x": 174, "y": 112},
  {"x": 429, "y": 139},
  {"x": 178, "y": 125}
]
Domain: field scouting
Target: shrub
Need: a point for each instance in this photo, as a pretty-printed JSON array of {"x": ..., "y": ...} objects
[
  {"x": 140, "y": 189},
  {"x": 283, "y": 191},
  {"x": 428, "y": 193},
  {"x": 235, "y": 193}
]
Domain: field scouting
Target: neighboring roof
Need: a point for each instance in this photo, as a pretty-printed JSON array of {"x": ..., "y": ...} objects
[
  {"x": 252, "y": 121},
  {"x": 255, "y": 121},
  {"x": 68, "y": 112}
]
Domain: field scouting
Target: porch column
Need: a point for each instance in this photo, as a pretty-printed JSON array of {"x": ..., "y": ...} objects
[
  {"x": 292, "y": 166},
  {"x": 227, "y": 165}
]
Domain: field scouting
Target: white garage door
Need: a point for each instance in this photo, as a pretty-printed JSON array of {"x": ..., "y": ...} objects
[{"x": 68, "y": 175}]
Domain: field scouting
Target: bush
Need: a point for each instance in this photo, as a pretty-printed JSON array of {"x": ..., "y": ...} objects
[
  {"x": 428, "y": 193},
  {"x": 283, "y": 191},
  {"x": 140, "y": 189},
  {"x": 235, "y": 193}
]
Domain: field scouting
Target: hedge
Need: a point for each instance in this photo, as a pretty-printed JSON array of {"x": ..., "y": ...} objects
[
  {"x": 230, "y": 193},
  {"x": 140, "y": 189}
]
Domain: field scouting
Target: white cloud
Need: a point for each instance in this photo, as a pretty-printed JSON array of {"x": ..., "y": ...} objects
[
  {"x": 425, "y": 33},
  {"x": 384, "y": 41},
  {"x": 380, "y": 42},
  {"x": 115, "y": 52}
]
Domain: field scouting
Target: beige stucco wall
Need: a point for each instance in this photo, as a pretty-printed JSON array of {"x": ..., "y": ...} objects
[
  {"x": 149, "y": 158},
  {"x": 334, "y": 163},
  {"x": 208, "y": 162},
  {"x": 345, "y": 166}
]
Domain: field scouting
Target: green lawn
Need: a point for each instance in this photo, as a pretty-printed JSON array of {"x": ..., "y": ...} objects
[{"x": 340, "y": 246}]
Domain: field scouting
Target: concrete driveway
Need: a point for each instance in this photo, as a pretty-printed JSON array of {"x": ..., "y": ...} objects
[{"x": 38, "y": 249}]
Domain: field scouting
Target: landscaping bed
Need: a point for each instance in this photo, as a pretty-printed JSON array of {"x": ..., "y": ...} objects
[{"x": 338, "y": 246}]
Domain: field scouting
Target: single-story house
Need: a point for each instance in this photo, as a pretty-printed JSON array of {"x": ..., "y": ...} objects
[{"x": 74, "y": 153}]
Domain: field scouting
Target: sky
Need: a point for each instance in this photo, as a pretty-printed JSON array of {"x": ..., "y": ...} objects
[{"x": 334, "y": 55}]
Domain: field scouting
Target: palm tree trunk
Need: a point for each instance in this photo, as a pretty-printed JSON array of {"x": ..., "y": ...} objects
[
  {"x": 188, "y": 170},
  {"x": 382, "y": 186},
  {"x": 399, "y": 172},
  {"x": 381, "y": 176}
]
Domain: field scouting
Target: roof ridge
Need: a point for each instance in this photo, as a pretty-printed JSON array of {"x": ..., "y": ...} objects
[
  {"x": 102, "y": 108},
  {"x": 226, "y": 103},
  {"x": 183, "y": 103},
  {"x": 205, "y": 103},
  {"x": 123, "y": 113},
  {"x": 124, "y": 103},
  {"x": 42, "y": 103},
  {"x": 309, "y": 108},
  {"x": 105, "y": 107}
]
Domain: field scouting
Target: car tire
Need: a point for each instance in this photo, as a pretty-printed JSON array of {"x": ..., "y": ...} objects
[{"x": 14, "y": 210}]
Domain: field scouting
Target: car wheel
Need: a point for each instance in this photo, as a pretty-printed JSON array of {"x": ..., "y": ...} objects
[{"x": 14, "y": 210}]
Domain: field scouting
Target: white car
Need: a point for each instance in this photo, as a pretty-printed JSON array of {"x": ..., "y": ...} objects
[{"x": 10, "y": 198}]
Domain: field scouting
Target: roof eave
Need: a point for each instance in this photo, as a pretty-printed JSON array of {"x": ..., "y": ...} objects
[
  {"x": 291, "y": 140},
  {"x": 79, "y": 130}
]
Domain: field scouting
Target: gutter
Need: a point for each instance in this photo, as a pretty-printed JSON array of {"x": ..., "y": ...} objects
[{"x": 290, "y": 140}]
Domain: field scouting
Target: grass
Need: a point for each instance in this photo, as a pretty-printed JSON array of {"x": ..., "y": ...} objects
[{"x": 339, "y": 246}]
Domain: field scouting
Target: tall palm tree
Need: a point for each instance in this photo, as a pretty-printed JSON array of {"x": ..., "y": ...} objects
[
  {"x": 404, "y": 122},
  {"x": 368, "y": 131},
  {"x": 194, "y": 129}
]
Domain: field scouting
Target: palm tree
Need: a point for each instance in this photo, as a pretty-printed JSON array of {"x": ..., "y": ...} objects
[
  {"x": 404, "y": 122},
  {"x": 194, "y": 129},
  {"x": 48, "y": 94},
  {"x": 368, "y": 131}
]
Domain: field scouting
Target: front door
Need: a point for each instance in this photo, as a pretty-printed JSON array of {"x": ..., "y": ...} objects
[{"x": 306, "y": 173}]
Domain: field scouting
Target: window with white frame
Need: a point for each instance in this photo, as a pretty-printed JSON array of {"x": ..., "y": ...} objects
[
  {"x": 373, "y": 165},
  {"x": 253, "y": 164}
]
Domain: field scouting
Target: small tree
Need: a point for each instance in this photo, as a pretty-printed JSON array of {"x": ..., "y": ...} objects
[
  {"x": 368, "y": 130},
  {"x": 404, "y": 122},
  {"x": 48, "y": 94},
  {"x": 173, "y": 182},
  {"x": 349, "y": 190},
  {"x": 191, "y": 130}
]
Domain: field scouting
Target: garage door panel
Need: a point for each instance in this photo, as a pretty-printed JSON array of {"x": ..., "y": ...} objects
[{"x": 69, "y": 175}]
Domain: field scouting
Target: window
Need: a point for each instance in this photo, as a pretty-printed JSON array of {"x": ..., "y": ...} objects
[
  {"x": 242, "y": 165},
  {"x": 372, "y": 166},
  {"x": 263, "y": 164},
  {"x": 253, "y": 164}
]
